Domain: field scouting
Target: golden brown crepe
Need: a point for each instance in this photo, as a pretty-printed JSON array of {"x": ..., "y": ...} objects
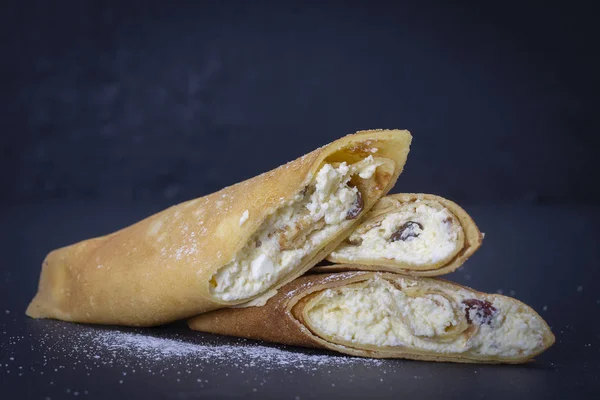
[
  {"x": 226, "y": 248},
  {"x": 386, "y": 315},
  {"x": 413, "y": 234}
]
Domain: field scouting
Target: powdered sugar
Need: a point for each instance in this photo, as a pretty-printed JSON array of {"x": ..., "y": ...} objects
[
  {"x": 99, "y": 346},
  {"x": 59, "y": 357},
  {"x": 146, "y": 347}
]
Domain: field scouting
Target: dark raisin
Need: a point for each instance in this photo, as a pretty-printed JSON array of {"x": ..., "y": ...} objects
[
  {"x": 354, "y": 242},
  {"x": 484, "y": 310},
  {"x": 357, "y": 207},
  {"x": 406, "y": 231},
  {"x": 258, "y": 243}
]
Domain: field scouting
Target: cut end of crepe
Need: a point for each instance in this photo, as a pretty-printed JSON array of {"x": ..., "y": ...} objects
[
  {"x": 437, "y": 321},
  {"x": 346, "y": 182},
  {"x": 417, "y": 234},
  {"x": 318, "y": 214},
  {"x": 385, "y": 315}
]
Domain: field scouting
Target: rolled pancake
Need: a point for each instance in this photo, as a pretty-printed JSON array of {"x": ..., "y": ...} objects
[
  {"x": 386, "y": 315},
  {"x": 414, "y": 234},
  {"x": 226, "y": 248}
]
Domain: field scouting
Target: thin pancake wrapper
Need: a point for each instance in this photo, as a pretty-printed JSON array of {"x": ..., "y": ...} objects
[
  {"x": 386, "y": 315},
  {"x": 413, "y": 234},
  {"x": 226, "y": 248}
]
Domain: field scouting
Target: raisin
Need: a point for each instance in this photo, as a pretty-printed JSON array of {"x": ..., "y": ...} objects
[
  {"x": 354, "y": 242},
  {"x": 357, "y": 207},
  {"x": 484, "y": 310},
  {"x": 406, "y": 231}
]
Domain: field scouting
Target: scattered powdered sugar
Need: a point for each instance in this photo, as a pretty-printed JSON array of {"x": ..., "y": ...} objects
[
  {"x": 144, "y": 350},
  {"x": 52, "y": 353},
  {"x": 146, "y": 347}
]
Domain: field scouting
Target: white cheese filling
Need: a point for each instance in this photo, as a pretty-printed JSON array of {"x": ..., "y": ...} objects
[
  {"x": 379, "y": 313},
  {"x": 293, "y": 232},
  {"x": 430, "y": 236}
]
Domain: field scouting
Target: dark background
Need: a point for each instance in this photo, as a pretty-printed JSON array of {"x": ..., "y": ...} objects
[
  {"x": 112, "y": 111},
  {"x": 177, "y": 99}
]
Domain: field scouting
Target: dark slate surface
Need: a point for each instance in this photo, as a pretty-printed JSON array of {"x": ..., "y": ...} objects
[{"x": 544, "y": 256}]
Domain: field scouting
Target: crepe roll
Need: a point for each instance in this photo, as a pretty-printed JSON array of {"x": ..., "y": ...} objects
[
  {"x": 387, "y": 315},
  {"x": 227, "y": 248},
  {"x": 416, "y": 234}
]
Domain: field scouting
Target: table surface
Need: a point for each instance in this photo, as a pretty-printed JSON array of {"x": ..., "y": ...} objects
[{"x": 547, "y": 257}]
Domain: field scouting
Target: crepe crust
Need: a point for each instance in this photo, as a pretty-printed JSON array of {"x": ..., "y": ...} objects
[
  {"x": 282, "y": 318},
  {"x": 158, "y": 270},
  {"x": 472, "y": 238}
]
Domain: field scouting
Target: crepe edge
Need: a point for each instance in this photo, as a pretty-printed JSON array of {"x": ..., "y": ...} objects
[
  {"x": 285, "y": 311},
  {"x": 473, "y": 238}
]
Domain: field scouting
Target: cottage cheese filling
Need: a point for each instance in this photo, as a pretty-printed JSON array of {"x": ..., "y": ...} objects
[
  {"x": 378, "y": 313},
  {"x": 294, "y": 231},
  {"x": 417, "y": 234}
]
